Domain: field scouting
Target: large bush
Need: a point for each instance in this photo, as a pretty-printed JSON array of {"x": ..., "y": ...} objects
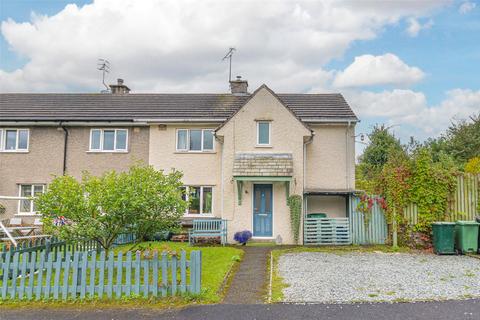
[{"x": 141, "y": 201}]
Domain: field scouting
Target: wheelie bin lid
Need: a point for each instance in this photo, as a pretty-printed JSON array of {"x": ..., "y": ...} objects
[
  {"x": 463, "y": 222},
  {"x": 444, "y": 223}
]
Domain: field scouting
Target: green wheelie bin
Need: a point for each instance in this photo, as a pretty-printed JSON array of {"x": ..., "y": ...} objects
[
  {"x": 466, "y": 236},
  {"x": 443, "y": 237},
  {"x": 316, "y": 215}
]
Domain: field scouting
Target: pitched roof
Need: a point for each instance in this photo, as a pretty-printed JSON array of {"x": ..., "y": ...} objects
[{"x": 129, "y": 107}]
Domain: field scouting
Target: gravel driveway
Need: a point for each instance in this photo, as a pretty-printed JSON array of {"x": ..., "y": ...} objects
[{"x": 354, "y": 277}]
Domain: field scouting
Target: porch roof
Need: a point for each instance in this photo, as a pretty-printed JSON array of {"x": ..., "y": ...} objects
[
  {"x": 263, "y": 165},
  {"x": 328, "y": 192}
]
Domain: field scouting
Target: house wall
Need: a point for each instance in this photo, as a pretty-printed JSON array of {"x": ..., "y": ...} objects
[
  {"x": 333, "y": 206},
  {"x": 199, "y": 168},
  {"x": 331, "y": 157},
  {"x": 44, "y": 160},
  {"x": 239, "y": 135}
]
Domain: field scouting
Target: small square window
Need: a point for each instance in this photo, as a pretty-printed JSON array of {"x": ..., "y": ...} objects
[{"x": 263, "y": 133}]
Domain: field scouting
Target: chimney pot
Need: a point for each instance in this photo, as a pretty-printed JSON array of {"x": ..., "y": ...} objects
[{"x": 239, "y": 86}]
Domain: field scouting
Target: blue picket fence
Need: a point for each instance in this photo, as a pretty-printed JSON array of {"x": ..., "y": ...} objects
[
  {"x": 85, "y": 274},
  {"x": 375, "y": 232}
]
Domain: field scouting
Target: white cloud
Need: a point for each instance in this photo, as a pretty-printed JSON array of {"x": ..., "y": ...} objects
[
  {"x": 409, "y": 109},
  {"x": 172, "y": 45},
  {"x": 466, "y": 7},
  {"x": 414, "y": 26},
  {"x": 368, "y": 70}
]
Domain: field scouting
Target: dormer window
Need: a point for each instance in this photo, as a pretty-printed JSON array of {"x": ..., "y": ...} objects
[
  {"x": 195, "y": 140},
  {"x": 263, "y": 133}
]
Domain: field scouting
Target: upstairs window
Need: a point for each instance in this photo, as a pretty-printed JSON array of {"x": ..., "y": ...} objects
[
  {"x": 195, "y": 140},
  {"x": 14, "y": 140},
  {"x": 108, "y": 140},
  {"x": 263, "y": 133},
  {"x": 27, "y": 206}
]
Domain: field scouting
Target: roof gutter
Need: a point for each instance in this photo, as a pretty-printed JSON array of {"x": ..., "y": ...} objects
[
  {"x": 72, "y": 123},
  {"x": 180, "y": 120},
  {"x": 330, "y": 120}
]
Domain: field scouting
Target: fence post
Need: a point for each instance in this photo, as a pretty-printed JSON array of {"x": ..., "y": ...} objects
[{"x": 48, "y": 247}]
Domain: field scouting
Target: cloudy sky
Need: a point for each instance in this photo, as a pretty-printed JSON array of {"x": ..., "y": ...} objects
[{"x": 414, "y": 65}]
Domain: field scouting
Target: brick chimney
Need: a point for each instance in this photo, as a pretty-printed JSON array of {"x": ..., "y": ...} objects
[
  {"x": 239, "y": 86},
  {"x": 119, "y": 88}
]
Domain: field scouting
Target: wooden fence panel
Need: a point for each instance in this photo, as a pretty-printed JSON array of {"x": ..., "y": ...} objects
[
  {"x": 327, "y": 231},
  {"x": 463, "y": 204},
  {"x": 84, "y": 275},
  {"x": 376, "y": 232}
]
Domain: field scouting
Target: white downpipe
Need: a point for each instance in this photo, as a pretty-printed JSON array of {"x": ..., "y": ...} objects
[
  {"x": 305, "y": 181},
  {"x": 347, "y": 157}
]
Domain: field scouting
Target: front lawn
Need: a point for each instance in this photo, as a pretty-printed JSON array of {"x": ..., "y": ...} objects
[{"x": 216, "y": 262}]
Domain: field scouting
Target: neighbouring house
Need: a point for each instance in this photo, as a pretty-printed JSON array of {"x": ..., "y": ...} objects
[{"x": 241, "y": 153}]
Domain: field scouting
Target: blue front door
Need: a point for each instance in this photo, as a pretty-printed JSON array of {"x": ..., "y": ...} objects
[{"x": 262, "y": 210}]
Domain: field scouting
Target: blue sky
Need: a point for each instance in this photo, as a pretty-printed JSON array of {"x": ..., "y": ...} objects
[{"x": 412, "y": 65}]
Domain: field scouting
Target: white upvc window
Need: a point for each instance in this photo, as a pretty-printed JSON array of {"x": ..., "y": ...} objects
[
  {"x": 27, "y": 206},
  {"x": 263, "y": 133},
  {"x": 200, "y": 199},
  {"x": 14, "y": 140},
  {"x": 195, "y": 140},
  {"x": 108, "y": 140}
]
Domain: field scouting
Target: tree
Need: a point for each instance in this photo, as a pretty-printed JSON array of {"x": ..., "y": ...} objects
[
  {"x": 141, "y": 201},
  {"x": 375, "y": 155},
  {"x": 473, "y": 166},
  {"x": 463, "y": 139}
]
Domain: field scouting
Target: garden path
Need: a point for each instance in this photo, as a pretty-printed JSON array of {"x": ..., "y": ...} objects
[{"x": 249, "y": 284}]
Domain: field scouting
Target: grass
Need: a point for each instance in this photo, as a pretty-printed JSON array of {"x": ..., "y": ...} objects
[
  {"x": 217, "y": 262},
  {"x": 277, "y": 281}
]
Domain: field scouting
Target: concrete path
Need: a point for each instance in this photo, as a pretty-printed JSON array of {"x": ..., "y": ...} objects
[
  {"x": 446, "y": 310},
  {"x": 249, "y": 284}
]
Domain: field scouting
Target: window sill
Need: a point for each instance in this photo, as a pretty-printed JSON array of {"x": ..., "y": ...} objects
[
  {"x": 28, "y": 214},
  {"x": 195, "y": 152},
  {"x": 263, "y": 146},
  {"x": 109, "y": 151},
  {"x": 14, "y": 151},
  {"x": 200, "y": 215}
]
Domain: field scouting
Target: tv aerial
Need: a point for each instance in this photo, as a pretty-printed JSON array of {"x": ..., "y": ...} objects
[
  {"x": 104, "y": 66},
  {"x": 229, "y": 57}
]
